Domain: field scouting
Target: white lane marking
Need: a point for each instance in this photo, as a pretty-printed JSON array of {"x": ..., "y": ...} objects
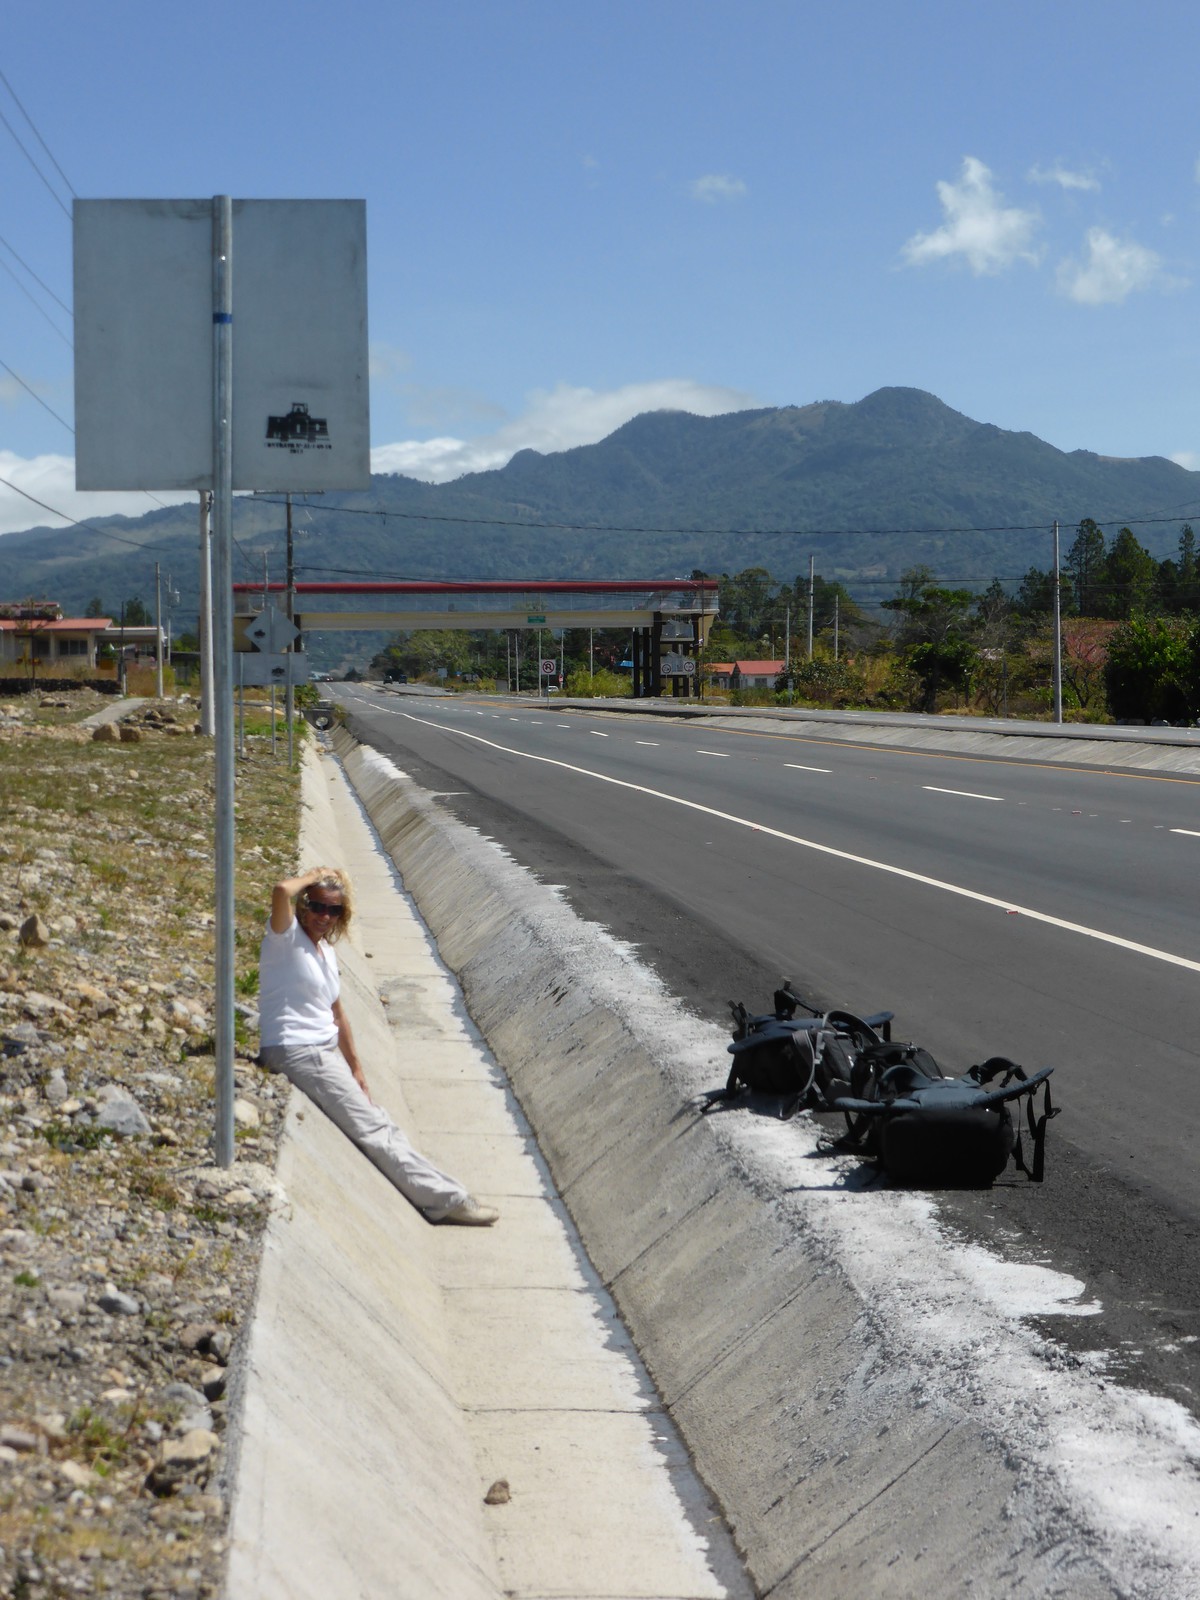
[
  {"x": 794, "y": 766},
  {"x": 722, "y": 755},
  {"x": 1191, "y": 832},
  {"x": 563, "y": 724},
  {"x": 596, "y": 734},
  {"x": 906, "y": 873},
  {"x": 964, "y": 794},
  {"x": 651, "y": 743}
]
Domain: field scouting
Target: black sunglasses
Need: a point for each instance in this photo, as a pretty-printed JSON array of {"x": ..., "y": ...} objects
[{"x": 322, "y": 908}]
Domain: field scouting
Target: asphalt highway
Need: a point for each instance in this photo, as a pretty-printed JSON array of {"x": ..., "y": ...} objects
[{"x": 997, "y": 906}]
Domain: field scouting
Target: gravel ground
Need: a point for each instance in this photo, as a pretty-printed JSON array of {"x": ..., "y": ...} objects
[{"x": 127, "y": 1262}]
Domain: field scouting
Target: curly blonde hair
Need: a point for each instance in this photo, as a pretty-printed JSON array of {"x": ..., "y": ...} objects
[{"x": 335, "y": 878}]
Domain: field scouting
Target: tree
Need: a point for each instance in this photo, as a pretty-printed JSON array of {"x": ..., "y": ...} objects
[
  {"x": 135, "y": 613},
  {"x": 1189, "y": 569},
  {"x": 94, "y": 607},
  {"x": 1128, "y": 574},
  {"x": 1085, "y": 563},
  {"x": 746, "y": 601},
  {"x": 1177, "y": 583},
  {"x": 1153, "y": 670},
  {"x": 1036, "y": 593},
  {"x": 934, "y": 634},
  {"x": 425, "y": 650},
  {"x": 1084, "y": 657}
]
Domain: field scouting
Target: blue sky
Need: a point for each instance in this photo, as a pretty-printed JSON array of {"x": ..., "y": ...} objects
[{"x": 576, "y": 213}]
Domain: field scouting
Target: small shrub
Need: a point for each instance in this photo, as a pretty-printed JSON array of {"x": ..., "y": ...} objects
[{"x": 602, "y": 685}]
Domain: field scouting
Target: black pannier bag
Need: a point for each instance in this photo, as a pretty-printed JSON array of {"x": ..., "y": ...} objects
[
  {"x": 900, "y": 1109},
  {"x": 807, "y": 1061},
  {"x": 937, "y": 1132}
]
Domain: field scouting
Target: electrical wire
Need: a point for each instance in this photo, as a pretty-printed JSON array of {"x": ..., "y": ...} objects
[
  {"x": 41, "y": 310},
  {"x": 43, "y": 286},
  {"x": 38, "y": 398},
  {"x": 16, "y": 139},
  {"x": 37, "y": 135},
  {"x": 711, "y": 533},
  {"x": 104, "y": 533}
]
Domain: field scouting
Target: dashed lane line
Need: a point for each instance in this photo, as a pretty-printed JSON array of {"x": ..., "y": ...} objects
[
  {"x": 1167, "y": 956},
  {"x": 963, "y": 794}
]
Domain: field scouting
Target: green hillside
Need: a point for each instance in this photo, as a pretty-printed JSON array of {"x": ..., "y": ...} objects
[{"x": 869, "y": 489}]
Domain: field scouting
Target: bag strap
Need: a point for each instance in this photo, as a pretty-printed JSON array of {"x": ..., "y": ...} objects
[{"x": 1037, "y": 1133}]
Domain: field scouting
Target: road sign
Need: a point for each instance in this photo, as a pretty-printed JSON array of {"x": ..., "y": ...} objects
[
  {"x": 549, "y": 669},
  {"x": 272, "y": 630},
  {"x": 535, "y": 622},
  {"x": 677, "y": 666},
  {"x": 255, "y": 670}
]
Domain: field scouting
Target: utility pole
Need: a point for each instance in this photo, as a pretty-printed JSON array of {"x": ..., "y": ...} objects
[
  {"x": 787, "y": 650},
  {"x": 836, "y": 621},
  {"x": 158, "y": 632},
  {"x": 1058, "y": 706},
  {"x": 811, "y": 600}
]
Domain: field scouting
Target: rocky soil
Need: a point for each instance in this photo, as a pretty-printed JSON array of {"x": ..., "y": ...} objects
[{"x": 127, "y": 1261}]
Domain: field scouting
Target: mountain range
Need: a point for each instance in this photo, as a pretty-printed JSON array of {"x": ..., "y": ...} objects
[{"x": 869, "y": 489}]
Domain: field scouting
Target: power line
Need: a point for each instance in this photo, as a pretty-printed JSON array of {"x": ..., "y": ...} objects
[
  {"x": 103, "y": 533},
  {"x": 34, "y": 276},
  {"x": 36, "y": 134},
  {"x": 40, "y": 402},
  {"x": 16, "y": 139},
  {"x": 41, "y": 310},
  {"x": 710, "y": 533}
]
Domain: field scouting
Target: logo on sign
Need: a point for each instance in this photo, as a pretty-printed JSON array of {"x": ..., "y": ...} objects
[
  {"x": 549, "y": 668},
  {"x": 297, "y": 431}
]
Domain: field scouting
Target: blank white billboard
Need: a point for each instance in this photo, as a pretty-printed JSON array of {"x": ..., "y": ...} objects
[{"x": 144, "y": 345}]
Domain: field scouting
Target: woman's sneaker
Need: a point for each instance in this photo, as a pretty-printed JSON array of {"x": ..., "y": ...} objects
[{"x": 467, "y": 1213}]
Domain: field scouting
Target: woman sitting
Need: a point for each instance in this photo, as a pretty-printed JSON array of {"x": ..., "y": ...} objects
[{"x": 305, "y": 1035}]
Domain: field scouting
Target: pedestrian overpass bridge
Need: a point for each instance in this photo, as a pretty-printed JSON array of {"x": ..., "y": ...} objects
[{"x": 668, "y": 619}]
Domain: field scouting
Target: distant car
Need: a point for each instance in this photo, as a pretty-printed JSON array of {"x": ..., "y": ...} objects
[
  {"x": 394, "y": 675},
  {"x": 320, "y": 677}
]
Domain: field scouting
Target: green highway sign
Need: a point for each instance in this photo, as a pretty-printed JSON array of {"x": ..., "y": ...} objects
[{"x": 535, "y": 622}]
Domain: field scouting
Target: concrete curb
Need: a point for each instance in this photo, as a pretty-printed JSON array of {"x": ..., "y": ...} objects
[
  {"x": 396, "y": 1373},
  {"x": 354, "y": 1471},
  {"x": 836, "y": 1473}
]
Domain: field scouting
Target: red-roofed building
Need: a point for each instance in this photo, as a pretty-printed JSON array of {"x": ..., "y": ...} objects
[
  {"x": 48, "y": 642},
  {"x": 756, "y": 674},
  {"x": 719, "y": 673}
]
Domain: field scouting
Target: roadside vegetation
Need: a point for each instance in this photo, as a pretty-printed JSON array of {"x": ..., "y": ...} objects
[{"x": 1130, "y": 642}]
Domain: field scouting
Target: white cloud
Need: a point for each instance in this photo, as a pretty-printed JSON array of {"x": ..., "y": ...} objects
[
  {"x": 979, "y": 226},
  {"x": 1114, "y": 269},
  {"x": 715, "y": 187},
  {"x": 51, "y": 480},
  {"x": 1063, "y": 177},
  {"x": 1187, "y": 458},
  {"x": 386, "y": 362},
  {"x": 554, "y": 419}
]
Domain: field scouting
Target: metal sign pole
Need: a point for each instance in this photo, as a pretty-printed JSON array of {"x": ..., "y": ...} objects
[
  {"x": 206, "y": 650},
  {"x": 222, "y": 608},
  {"x": 289, "y": 692}
]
